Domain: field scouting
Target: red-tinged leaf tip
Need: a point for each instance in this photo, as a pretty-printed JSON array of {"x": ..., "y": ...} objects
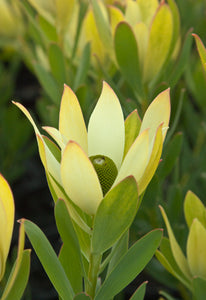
[{"x": 21, "y": 221}]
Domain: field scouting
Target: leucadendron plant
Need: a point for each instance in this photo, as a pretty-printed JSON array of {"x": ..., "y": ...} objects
[
  {"x": 97, "y": 176},
  {"x": 190, "y": 270},
  {"x": 141, "y": 38},
  {"x": 12, "y": 287}
]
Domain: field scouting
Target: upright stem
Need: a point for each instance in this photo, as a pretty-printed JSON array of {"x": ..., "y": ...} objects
[{"x": 94, "y": 265}]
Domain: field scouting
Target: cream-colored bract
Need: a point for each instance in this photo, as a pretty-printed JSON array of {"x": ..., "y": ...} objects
[
  {"x": 105, "y": 136},
  {"x": 6, "y": 222}
]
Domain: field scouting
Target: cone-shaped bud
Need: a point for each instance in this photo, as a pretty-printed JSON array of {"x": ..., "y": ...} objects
[{"x": 106, "y": 171}]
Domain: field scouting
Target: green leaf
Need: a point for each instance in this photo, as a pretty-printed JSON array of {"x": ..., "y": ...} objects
[
  {"x": 130, "y": 265},
  {"x": 176, "y": 250},
  {"x": 114, "y": 215},
  {"x": 119, "y": 249},
  {"x": 48, "y": 83},
  {"x": 194, "y": 208},
  {"x": 170, "y": 155},
  {"x": 199, "y": 285},
  {"x": 57, "y": 64},
  {"x": 83, "y": 66},
  {"x": 49, "y": 260},
  {"x": 126, "y": 52},
  {"x": 140, "y": 292},
  {"x": 16, "y": 290},
  {"x": 70, "y": 254},
  {"x": 84, "y": 240},
  {"x": 53, "y": 148}
]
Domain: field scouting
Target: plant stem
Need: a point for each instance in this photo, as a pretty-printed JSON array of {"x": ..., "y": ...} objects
[{"x": 94, "y": 265}]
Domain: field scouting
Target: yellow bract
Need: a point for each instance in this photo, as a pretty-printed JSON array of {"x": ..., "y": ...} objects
[
  {"x": 152, "y": 23},
  {"x": 6, "y": 222},
  {"x": 132, "y": 153}
]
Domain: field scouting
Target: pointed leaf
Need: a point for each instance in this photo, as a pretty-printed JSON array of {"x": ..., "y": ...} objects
[
  {"x": 49, "y": 161},
  {"x": 114, "y": 215},
  {"x": 130, "y": 265},
  {"x": 166, "y": 258},
  {"x": 194, "y": 208},
  {"x": 201, "y": 49},
  {"x": 157, "y": 113},
  {"x": 49, "y": 260},
  {"x": 140, "y": 292},
  {"x": 71, "y": 120},
  {"x": 135, "y": 162},
  {"x": 176, "y": 250}
]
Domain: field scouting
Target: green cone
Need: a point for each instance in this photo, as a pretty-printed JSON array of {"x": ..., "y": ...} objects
[{"x": 106, "y": 171}]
